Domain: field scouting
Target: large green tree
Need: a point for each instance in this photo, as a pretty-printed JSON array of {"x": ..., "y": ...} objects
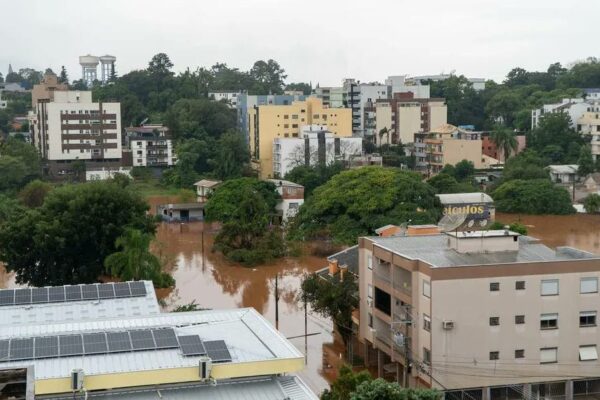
[
  {"x": 312, "y": 177},
  {"x": 66, "y": 240},
  {"x": 537, "y": 196},
  {"x": 356, "y": 202},
  {"x": 19, "y": 164},
  {"x": 585, "y": 161}
]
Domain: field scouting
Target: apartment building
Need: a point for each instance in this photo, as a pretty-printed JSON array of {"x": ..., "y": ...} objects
[
  {"x": 228, "y": 97},
  {"x": 150, "y": 145},
  {"x": 332, "y": 96},
  {"x": 404, "y": 115},
  {"x": 574, "y": 107},
  {"x": 46, "y": 88},
  {"x": 269, "y": 122},
  {"x": 589, "y": 124},
  {"x": 70, "y": 128},
  {"x": 405, "y": 84},
  {"x": 110, "y": 340},
  {"x": 473, "y": 310},
  {"x": 246, "y": 103},
  {"x": 315, "y": 145}
]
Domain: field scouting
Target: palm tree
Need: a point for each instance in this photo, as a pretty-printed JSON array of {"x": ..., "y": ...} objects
[
  {"x": 505, "y": 139},
  {"x": 134, "y": 261}
]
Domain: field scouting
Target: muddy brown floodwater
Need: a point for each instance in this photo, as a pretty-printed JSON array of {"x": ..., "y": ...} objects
[{"x": 210, "y": 281}]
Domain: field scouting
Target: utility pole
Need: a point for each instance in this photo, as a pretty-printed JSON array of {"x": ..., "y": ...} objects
[
  {"x": 305, "y": 330},
  {"x": 203, "y": 269},
  {"x": 407, "y": 322},
  {"x": 276, "y": 302}
]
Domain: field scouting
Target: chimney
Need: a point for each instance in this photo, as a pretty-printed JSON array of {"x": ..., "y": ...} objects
[
  {"x": 333, "y": 267},
  {"x": 343, "y": 270}
]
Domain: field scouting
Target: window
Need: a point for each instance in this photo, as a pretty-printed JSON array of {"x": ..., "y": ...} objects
[
  {"x": 295, "y": 116},
  {"x": 494, "y": 286},
  {"x": 520, "y": 353},
  {"x": 588, "y": 353},
  {"x": 519, "y": 319},
  {"x": 587, "y": 318},
  {"x": 494, "y": 321},
  {"x": 383, "y": 301},
  {"x": 549, "y": 321},
  {"x": 520, "y": 285},
  {"x": 370, "y": 291},
  {"x": 370, "y": 262},
  {"x": 426, "y": 356},
  {"x": 286, "y": 126},
  {"x": 294, "y": 125},
  {"x": 494, "y": 355},
  {"x": 370, "y": 320},
  {"x": 286, "y": 117},
  {"x": 426, "y": 289},
  {"x": 548, "y": 355},
  {"x": 588, "y": 285},
  {"x": 549, "y": 287},
  {"x": 426, "y": 323}
]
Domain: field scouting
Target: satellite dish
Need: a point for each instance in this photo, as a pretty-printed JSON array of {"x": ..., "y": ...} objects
[{"x": 451, "y": 222}]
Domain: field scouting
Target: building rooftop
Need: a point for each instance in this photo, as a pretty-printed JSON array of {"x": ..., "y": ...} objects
[
  {"x": 564, "y": 169},
  {"x": 182, "y": 206},
  {"x": 434, "y": 250},
  {"x": 207, "y": 183},
  {"x": 282, "y": 182},
  {"x": 464, "y": 198},
  {"x": 347, "y": 257}
]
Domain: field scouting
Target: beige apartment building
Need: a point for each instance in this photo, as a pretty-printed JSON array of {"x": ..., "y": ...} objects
[
  {"x": 589, "y": 124},
  {"x": 479, "y": 310},
  {"x": 46, "y": 88},
  {"x": 270, "y": 122},
  {"x": 403, "y": 116}
]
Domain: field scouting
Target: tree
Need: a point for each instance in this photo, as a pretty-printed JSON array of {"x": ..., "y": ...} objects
[
  {"x": 503, "y": 107},
  {"x": 312, "y": 177},
  {"x": 505, "y": 139},
  {"x": 66, "y": 240},
  {"x": 356, "y": 202},
  {"x": 346, "y": 383},
  {"x": 333, "y": 298},
  {"x": 269, "y": 77},
  {"x": 525, "y": 165},
  {"x": 592, "y": 203},
  {"x": 19, "y": 164},
  {"x": 1, "y": 78},
  {"x": 134, "y": 261},
  {"x": 63, "y": 77},
  {"x": 303, "y": 87},
  {"x": 553, "y": 136},
  {"x": 538, "y": 196},
  {"x": 379, "y": 389},
  {"x": 232, "y": 156},
  {"x": 191, "y": 118},
  {"x": 585, "y": 161},
  {"x": 515, "y": 227},
  {"x": 34, "y": 193},
  {"x": 160, "y": 64},
  {"x": 464, "y": 170},
  {"x": 444, "y": 183}
]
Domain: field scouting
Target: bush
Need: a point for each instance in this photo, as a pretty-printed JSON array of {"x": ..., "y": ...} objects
[{"x": 592, "y": 203}]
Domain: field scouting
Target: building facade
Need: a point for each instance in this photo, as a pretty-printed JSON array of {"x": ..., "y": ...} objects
[
  {"x": 574, "y": 107},
  {"x": 71, "y": 128},
  {"x": 292, "y": 197},
  {"x": 589, "y": 124},
  {"x": 478, "y": 309},
  {"x": 489, "y": 148},
  {"x": 230, "y": 98},
  {"x": 332, "y": 96},
  {"x": 150, "y": 146},
  {"x": 269, "y": 122},
  {"x": 315, "y": 145},
  {"x": 46, "y": 88}
]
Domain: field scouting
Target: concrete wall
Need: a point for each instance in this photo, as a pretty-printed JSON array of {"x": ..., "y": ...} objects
[
  {"x": 438, "y": 114},
  {"x": 409, "y": 121},
  {"x": 456, "y": 150}
]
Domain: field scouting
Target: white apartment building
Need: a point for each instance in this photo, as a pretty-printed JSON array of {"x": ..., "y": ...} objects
[
  {"x": 231, "y": 98},
  {"x": 314, "y": 145},
  {"x": 478, "y": 310},
  {"x": 574, "y": 107},
  {"x": 71, "y": 127},
  {"x": 150, "y": 146},
  {"x": 404, "y": 84}
]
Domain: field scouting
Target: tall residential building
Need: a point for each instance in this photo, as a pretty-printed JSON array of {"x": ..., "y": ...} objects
[
  {"x": 404, "y": 84},
  {"x": 150, "y": 146},
  {"x": 246, "y": 102},
  {"x": 71, "y": 128},
  {"x": 485, "y": 311},
  {"x": 268, "y": 122},
  {"x": 361, "y": 96},
  {"x": 589, "y": 124},
  {"x": 332, "y": 96},
  {"x": 404, "y": 115},
  {"x": 46, "y": 88},
  {"x": 315, "y": 145}
]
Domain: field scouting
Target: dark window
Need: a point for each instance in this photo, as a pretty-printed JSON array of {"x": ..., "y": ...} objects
[
  {"x": 519, "y": 319},
  {"x": 383, "y": 301},
  {"x": 520, "y": 285},
  {"x": 587, "y": 318},
  {"x": 426, "y": 356},
  {"x": 549, "y": 321},
  {"x": 494, "y": 321},
  {"x": 370, "y": 320},
  {"x": 519, "y": 353},
  {"x": 494, "y": 286},
  {"x": 494, "y": 355}
]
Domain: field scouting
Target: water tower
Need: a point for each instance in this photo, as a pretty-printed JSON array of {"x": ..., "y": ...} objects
[
  {"x": 107, "y": 67},
  {"x": 88, "y": 64}
]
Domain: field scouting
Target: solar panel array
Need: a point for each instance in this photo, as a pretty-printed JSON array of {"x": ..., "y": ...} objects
[
  {"x": 192, "y": 345},
  {"x": 61, "y": 294},
  {"x": 87, "y": 344}
]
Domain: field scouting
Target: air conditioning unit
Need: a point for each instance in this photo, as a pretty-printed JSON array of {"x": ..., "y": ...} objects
[
  {"x": 77, "y": 380},
  {"x": 205, "y": 366},
  {"x": 448, "y": 325}
]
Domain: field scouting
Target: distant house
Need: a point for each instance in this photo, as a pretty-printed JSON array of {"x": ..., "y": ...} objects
[
  {"x": 292, "y": 197},
  {"x": 204, "y": 188},
  {"x": 592, "y": 183},
  {"x": 563, "y": 173},
  {"x": 183, "y": 212}
]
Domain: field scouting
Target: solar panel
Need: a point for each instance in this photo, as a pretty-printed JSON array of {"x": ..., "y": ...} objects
[
  {"x": 70, "y": 345},
  {"x": 46, "y": 347},
  {"x": 122, "y": 289},
  {"x": 4, "y": 350},
  {"x": 191, "y": 345},
  {"x": 118, "y": 341},
  {"x": 7, "y": 297},
  {"x": 56, "y": 294},
  {"x": 39, "y": 295},
  {"x": 217, "y": 351},
  {"x": 165, "y": 338},
  {"x": 21, "y": 349},
  {"x": 89, "y": 292},
  {"x": 106, "y": 291},
  {"x": 138, "y": 288},
  {"x": 94, "y": 343},
  {"x": 23, "y": 296},
  {"x": 142, "y": 340},
  {"x": 73, "y": 293}
]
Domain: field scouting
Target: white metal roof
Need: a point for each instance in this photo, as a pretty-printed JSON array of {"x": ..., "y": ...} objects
[
  {"x": 564, "y": 169},
  {"x": 248, "y": 336},
  {"x": 81, "y": 310},
  {"x": 464, "y": 198}
]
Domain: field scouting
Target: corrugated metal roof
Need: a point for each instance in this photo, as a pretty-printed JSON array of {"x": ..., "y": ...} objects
[
  {"x": 81, "y": 310},
  {"x": 464, "y": 198},
  {"x": 248, "y": 336},
  {"x": 271, "y": 388}
]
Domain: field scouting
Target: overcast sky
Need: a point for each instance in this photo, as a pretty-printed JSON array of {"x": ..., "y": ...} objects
[{"x": 321, "y": 41}]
